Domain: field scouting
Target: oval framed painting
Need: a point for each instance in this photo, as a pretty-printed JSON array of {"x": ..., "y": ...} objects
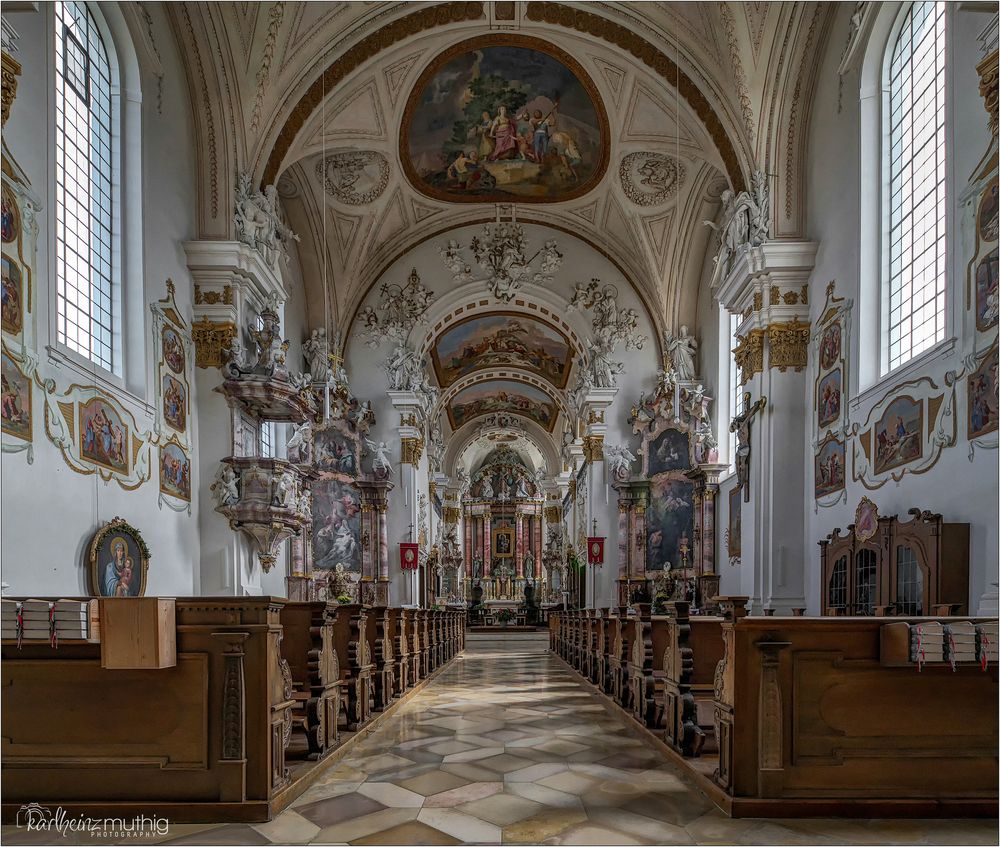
[{"x": 504, "y": 118}]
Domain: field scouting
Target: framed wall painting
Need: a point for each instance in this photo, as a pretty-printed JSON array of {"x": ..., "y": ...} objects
[
  {"x": 11, "y": 296},
  {"x": 172, "y": 350},
  {"x": 982, "y": 386},
  {"x": 18, "y": 237},
  {"x": 118, "y": 561},
  {"x": 669, "y": 522},
  {"x": 899, "y": 434},
  {"x": 174, "y": 400},
  {"x": 829, "y": 468},
  {"x": 669, "y": 451},
  {"x": 104, "y": 437},
  {"x": 16, "y": 400},
  {"x": 828, "y": 400},
  {"x": 336, "y": 450},
  {"x": 175, "y": 471},
  {"x": 503, "y": 542}
]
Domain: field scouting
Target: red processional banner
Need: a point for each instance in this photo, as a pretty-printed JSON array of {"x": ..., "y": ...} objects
[
  {"x": 409, "y": 559},
  {"x": 595, "y": 550}
]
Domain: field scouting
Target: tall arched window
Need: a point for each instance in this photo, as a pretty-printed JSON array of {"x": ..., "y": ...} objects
[
  {"x": 913, "y": 288},
  {"x": 88, "y": 305}
]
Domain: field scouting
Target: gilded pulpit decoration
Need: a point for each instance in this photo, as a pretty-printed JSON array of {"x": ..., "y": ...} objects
[{"x": 741, "y": 426}]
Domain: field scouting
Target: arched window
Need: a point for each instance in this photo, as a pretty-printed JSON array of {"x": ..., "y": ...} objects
[
  {"x": 913, "y": 254},
  {"x": 88, "y": 302}
]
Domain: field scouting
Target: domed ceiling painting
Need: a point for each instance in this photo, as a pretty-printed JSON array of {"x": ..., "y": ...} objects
[
  {"x": 504, "y": 118},
  {"x": 500, "y": 395},
  {"x": 508, "y": 339}
]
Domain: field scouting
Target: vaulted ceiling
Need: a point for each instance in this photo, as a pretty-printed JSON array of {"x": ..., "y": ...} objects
[{"x": 281, "y": 87}]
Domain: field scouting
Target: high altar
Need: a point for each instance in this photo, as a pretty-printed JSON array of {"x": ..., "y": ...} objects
[{"x": 503, "y": 532}]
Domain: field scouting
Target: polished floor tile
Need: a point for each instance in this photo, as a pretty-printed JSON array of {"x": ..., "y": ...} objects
[{"x": 505, "y": 746}]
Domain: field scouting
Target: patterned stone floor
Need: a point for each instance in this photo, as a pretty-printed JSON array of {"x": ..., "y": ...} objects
[{"x": 506, "y": 747}]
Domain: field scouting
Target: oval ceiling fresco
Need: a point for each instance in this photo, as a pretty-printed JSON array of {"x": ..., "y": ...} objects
[
  {"x": 502, "y": 395},
  {"x": 505, "y": 338},
  {"x": 504, "y": 118}
]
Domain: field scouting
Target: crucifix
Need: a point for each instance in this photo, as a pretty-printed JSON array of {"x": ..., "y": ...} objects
[{"x": 741, "y": 426}]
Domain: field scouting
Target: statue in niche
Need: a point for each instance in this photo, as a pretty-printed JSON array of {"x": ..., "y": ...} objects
[
  {"x": 529, "y": 565},
  {"x": 522, "y": 489},
  {"x": 681, "y": 349},
  {"x": 486, "y": 489},
  {"x": 317, "y": 353}
]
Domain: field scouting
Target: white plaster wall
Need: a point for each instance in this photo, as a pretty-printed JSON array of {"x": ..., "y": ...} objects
[
  {"x": 49, "y": 512},
  {"x": 960, "y": 489}
]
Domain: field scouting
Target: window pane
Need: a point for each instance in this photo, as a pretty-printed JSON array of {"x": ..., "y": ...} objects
[
  {"x": 85, "y": 302},
  {"x": 916, "y": 139}
]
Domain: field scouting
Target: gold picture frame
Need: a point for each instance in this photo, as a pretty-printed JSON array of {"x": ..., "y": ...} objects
[
  {"x": 503, "y": 542},
  {"x": 118, "y": 561}
]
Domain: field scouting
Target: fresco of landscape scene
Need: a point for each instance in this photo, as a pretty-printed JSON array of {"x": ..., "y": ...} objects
[
  {"x": 502, "y": 118},
  {"x": 501, "y": 339},
  {"x": 500, "y": 395}
]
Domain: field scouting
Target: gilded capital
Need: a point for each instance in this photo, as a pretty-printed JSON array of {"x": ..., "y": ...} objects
[
  {"x": 8, "y": 90},
  {"x": 411, "y": 449},
  {"x": 789, "y": 345},
  {"x": 749, "y": 355},
  {"x": 211, "y": 340},
  {"x": 593, "y": 448}
]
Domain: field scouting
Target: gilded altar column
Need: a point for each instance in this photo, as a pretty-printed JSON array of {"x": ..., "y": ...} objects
[
  {"x": 623, "y": 545},
  {"x": 383, "y": 549},
  {"x": 518, "y": 545}
]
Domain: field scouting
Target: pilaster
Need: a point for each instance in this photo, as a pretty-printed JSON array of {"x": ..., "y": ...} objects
[{"x": 768, "y": 287}]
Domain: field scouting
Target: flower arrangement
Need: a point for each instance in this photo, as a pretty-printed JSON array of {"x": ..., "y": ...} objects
[
  {"x": 506, "y": 615},
  {"x": 344, "y": 599}
]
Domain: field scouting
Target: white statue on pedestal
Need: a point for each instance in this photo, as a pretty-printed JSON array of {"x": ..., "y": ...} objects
[{"x": 681, "y": 349}]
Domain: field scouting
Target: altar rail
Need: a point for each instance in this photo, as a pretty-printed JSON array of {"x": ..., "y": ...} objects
[
  {"x": 262, "y": 691},
  {"x": 805, "y": 716}
]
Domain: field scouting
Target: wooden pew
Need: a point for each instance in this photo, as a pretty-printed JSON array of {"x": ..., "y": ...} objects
[
  {"x": 380, "y": 644},
  {"x": 811, "y": 721},
  {"x": 618, "y": 653},
  {"x": 350, "y": 624},
  {"x": 417, "y": 647},
  {"x": 601, "y": 647},
  {"x": 208, "y": 733},
  {"x": 307, "y": 645},
  {"x": 399, "y": 632},
  {"x": 692, "y": 647},
  {"x": 640, "y": 667}
]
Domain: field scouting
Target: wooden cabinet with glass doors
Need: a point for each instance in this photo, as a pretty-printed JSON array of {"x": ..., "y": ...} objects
[{"x": 909, "y": 567}]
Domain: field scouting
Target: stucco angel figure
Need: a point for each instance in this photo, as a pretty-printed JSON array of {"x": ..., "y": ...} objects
[
  {"x": 380, "y": 451},
  {"x": 619, "y": 459},
  {"x": 300, "y": 444},
  {"x": 226, "y": 487},
  {"x": 681, "y": 350}
]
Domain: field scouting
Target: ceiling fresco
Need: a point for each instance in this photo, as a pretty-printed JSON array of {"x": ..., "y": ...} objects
[
  {"x": 510, "y": 339},
  {"x": 504, "y": 117},
  {"x": 500, "y": 395}
]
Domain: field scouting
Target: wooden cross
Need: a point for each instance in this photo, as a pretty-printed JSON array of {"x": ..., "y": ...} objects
[{"x": 741, "y": 426}]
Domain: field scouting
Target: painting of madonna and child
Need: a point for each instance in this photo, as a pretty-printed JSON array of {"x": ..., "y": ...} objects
[{"x": 504, "y": 118}]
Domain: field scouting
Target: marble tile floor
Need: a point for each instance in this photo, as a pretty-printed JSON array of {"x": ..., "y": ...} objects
[{"x": 506, "y": 747}]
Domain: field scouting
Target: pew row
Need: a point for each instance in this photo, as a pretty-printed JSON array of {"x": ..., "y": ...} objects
[
  {"x": 797, "y": 717},
  {"x": 260, "y": 694}
]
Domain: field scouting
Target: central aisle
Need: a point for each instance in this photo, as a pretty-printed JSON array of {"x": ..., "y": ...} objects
[{"x": 506, "y": 746}]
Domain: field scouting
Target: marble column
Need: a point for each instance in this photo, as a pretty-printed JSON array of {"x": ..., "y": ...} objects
[
  {"x": 487, "y": 545},
  {"x": 537, "y": 537}
]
